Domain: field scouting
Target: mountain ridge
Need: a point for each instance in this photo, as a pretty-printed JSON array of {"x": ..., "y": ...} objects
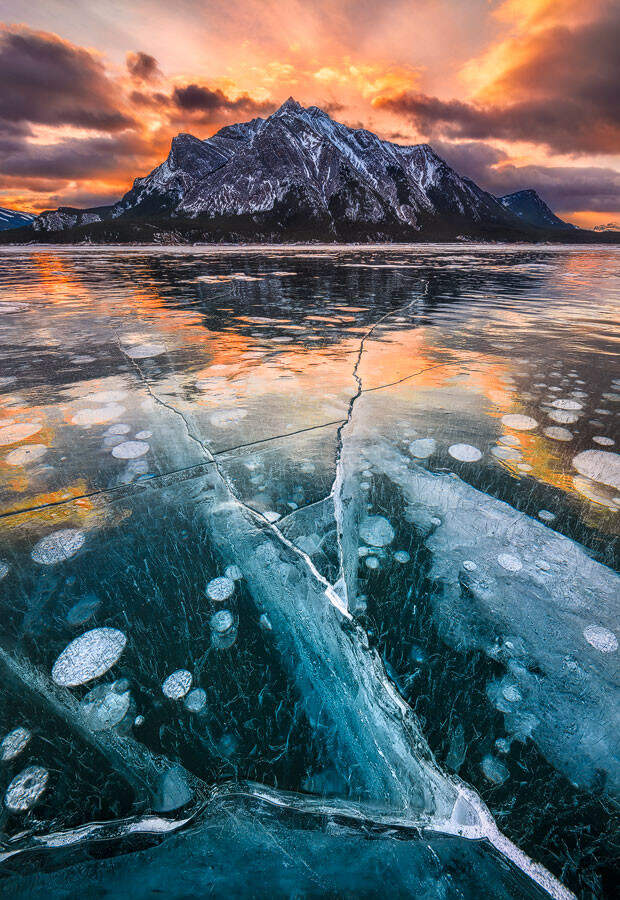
[
  {"x": 299, "y": 174},
  {"x": 14, "y": 218}
]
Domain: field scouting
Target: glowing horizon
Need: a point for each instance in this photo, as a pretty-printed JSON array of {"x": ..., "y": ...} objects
[{"x": 513, "y": 95}]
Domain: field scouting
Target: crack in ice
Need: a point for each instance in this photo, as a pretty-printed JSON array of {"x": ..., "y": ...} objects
[{"x": 336, "y": 489}]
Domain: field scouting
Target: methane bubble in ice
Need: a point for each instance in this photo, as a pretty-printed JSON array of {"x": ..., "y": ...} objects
[
  {"x": 14, "y": 742},
  {"x": 234, "y": 573},
  {"x": 144, "y": 435},
  {"x": 21, "y": 456},
  {"x": 469, "y": 565},
  {"x": 423, "y": 447},
  {"x": 546, "y": 515},
  {"x": 509, "y": 562},
  {"x": 558, "y": 434},
  {"x": 601, "y": 638},
  {"x": 10, "y": 434},
  {"x": 519, "y": 422},
  {"x": 89, "y": 656},
  {"x": 195, "y": 700},
  {"x": 224, "y": 417},
  {"x": 119, "y": 428},
  {"x": 58, "y": 546},
  {"x": 25, "y": 789},
  {"x": 105, "y": 706},
  {"x": 106, "y": 396},
  {"x": 464, "y": 452},
  {"x": 145, "y": 351},
  {"x": 564, "y": 417},
  {"x": 83, "y": 610},
  {"x": 220, "y": 589},
  {"x": 598, "y": 439},
  {"x": 98, "y": 416},
  {"x": 130, "y": 450},
  {"x": 599, "y": 465},
  {"x": 376, "y": 531},
  {"x": 567, "y": 404},
  {"x": 507, "y": 454},
  {"x": 511, "y": 439},
  {"x": 512, "y": 693},
  {"x": 222, "y": 621},
  {"x": 494, "y": 770},
  {"x": 372, "y": 562},
  {"x": 173, "y": 791},
  {"x": 4, "y": 569},
  {"x": 401, "y": 556},
  {"x": 178, "y": 684}
]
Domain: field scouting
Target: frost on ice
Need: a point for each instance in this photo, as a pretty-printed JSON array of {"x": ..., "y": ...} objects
[{"x": 88, "y": 656}]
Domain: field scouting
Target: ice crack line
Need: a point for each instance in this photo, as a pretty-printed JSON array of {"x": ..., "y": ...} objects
[
  {"x": 336, "y": 490},
  {"x": 253, "y": 514}
]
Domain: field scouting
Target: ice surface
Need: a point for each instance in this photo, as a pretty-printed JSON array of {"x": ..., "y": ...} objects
[
  {"x": 273, "y": 532},
  {"x": 530, "y": 617},
  {"x": 283, "y": 845}
]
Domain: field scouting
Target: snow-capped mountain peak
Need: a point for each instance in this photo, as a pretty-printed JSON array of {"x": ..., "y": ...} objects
[{"x": 300, "y": 166}]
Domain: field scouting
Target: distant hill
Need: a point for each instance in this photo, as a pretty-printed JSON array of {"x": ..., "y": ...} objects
[{"x": 611, "y": 226}]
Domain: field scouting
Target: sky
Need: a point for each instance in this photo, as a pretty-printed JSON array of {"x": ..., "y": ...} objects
[{"x": 512, "y": 93}]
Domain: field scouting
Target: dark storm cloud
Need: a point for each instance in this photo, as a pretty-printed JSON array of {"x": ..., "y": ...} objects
[
  {"x": 575, "y": 188},
  {"x": 143, "y": 67},
  {"x": 46, "y": 80},
  {"x": 562, "y": 93},
  {"x": 74, "y": 158},
  {"x": 208, "y": 102}
]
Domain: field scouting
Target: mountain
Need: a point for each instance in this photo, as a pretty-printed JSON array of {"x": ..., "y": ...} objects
[
  {"x": 11, "y": 218},
  {"x": 529, "y": 207},
  {"x": 611, "y": 226},
  {"x": 300, "y": 175},
  {"x": 69, "y": 216}
]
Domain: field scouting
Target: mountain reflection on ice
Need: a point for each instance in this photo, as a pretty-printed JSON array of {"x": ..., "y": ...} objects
[{"x": 325, "y": 534}]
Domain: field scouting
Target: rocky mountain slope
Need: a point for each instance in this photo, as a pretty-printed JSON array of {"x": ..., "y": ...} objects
[
  {"x": 12, "y": 218},
  {"x": 529, "y": 207},
  {"x": 300, "y": 175}
]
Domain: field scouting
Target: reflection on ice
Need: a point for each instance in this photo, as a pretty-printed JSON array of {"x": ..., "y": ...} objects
[{"x": 333, "y": 547}]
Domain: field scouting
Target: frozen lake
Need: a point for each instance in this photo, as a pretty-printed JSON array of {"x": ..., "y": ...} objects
[{"x": 341, "y": 522}]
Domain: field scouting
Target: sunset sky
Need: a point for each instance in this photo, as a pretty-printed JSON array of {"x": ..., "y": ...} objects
[{"x": 513, "y": 93}]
